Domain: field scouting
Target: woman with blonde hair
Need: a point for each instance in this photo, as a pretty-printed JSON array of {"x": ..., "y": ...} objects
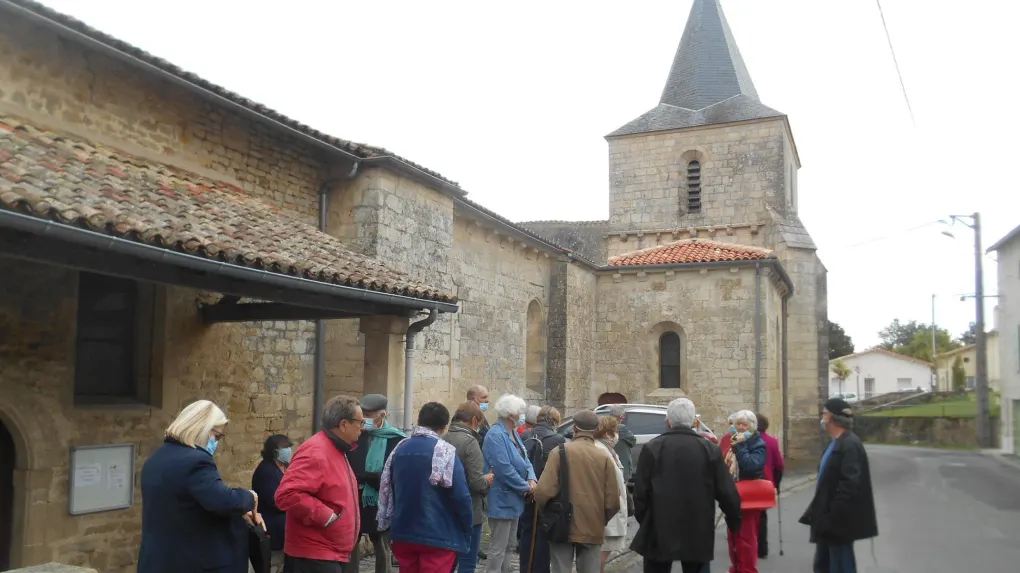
[
  {"x": 607, "y": 435},
  {"x": 191, "y": 520}
]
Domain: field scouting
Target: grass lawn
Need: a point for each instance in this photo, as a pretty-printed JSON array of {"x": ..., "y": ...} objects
[{"x": 962, "y": 407}]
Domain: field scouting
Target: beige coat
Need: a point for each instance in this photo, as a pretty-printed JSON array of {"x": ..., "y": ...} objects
[
  {"x": 594, "y": 490},
  {"x": 617, "y": 526}
]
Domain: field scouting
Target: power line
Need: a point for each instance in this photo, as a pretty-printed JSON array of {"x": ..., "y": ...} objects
[
  {"x": 903, "y": 86},
  {"x": 890, "y": 236}
]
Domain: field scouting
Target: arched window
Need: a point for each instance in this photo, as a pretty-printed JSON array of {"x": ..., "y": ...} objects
[
  {"x": 535, "y": 348},
  {"x": 694, "y": 187},
  {"x": 669, "y": 360}
]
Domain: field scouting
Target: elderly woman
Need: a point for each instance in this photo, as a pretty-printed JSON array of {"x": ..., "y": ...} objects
[
  {"x": 191, "y": 520},
  {"x": 607, "y": 435},
  {"x": 513, "y": 479},
  {"x": 276, "y": 454},
  {"x": 745, "y": 461}
]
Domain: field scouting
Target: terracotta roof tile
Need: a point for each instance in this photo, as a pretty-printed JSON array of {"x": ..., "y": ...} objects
[
  {"x": 62, "y": 178},
  {"x": 690, "y": 251}
]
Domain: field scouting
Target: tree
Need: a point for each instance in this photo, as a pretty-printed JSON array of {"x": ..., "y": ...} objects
[
  {"x": 969, "y": 337},
  {"x": 918, "y": 345},
  {"x": 899, "y": 334},
  {"x": 842, "y": 372},
  {"x": 959, "y": 375},
  {"x": 839, "y": 343}
]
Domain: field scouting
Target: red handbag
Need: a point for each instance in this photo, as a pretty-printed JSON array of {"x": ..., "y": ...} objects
[{"x": 756, "y": 494}]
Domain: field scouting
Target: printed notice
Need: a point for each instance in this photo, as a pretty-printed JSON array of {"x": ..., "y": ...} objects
[
  {"x": 87, "y": 475},
  {"x": 116, "y": 477}
]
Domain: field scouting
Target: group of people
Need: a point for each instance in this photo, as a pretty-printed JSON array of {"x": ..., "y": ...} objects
[{"x": 421, "y": 497}]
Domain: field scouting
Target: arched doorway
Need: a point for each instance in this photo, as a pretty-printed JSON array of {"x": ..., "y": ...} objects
[{"x": 7, "y": 465}]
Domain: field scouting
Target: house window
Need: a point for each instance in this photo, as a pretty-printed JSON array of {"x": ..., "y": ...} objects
[
  {"x": 971, "y": 382},
  {"x": 869, "y": 388},
  {"x": 669, "y": 360},
  {"x": 904, "y": 383},
  {"x": 694, "y": 187},
  {"x": 113, "y": 348}
]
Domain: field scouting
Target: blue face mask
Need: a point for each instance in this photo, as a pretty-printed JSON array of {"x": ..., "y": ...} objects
[
  {"x": 733, "y": 429},
  {"x": 369, "y": 424},
  {"x": 822, "y": 422},
  {"x": 484, "y": 406},
  {"x": 210, "y": 446},
  {"x": 520, "y": 420},
  {"x": 747, "y": 435},
  {"x": 284, "y": 455}
]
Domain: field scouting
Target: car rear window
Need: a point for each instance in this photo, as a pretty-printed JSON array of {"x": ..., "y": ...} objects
[{"x": 646, "y": 423}]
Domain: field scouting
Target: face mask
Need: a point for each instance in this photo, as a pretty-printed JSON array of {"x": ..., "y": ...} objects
[
  {"x": 733, "y": 429},
  {"x": 284, "y": 455},
  {"x": 611, "y": 442},
  {"x": 369, "y": 424},
  {"x": 747, "y": 435},
  {"x": 822, "y": 422},
  {"x": 210, "y": 446},
  {"x": 484, "y": 406},
  {"x": 520, "y": 421}
]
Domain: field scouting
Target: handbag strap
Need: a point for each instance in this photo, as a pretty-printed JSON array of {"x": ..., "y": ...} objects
[{"x": 564, "y": 472}]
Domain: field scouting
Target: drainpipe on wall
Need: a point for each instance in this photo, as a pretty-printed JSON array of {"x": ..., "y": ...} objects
[
  {"x": 757, "y": 337},
  {"x": 319, "y": 384},
  {"x": 786, "y": 383},
  {"x": 412, "y": 331}
]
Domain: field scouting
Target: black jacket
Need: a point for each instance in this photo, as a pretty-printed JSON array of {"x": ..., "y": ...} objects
[
  {"x": 191, "y": 520},
  {"x": 265, "y": 481},
  {"x": 843, "y": 509},
  {"x": 538, "y": 451},
  {"x": 357, "y": 458},
  {"x": 678, "y": 480}
]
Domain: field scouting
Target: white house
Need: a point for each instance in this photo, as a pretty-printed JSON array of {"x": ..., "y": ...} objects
[
  {"x": 878, "y": 371},
  {"x": 1008, "y": 321}
]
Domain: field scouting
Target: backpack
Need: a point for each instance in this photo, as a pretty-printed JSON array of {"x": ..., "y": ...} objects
[{"x": 538, "y": 452}]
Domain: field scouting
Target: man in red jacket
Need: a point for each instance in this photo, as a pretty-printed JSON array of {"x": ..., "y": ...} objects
[
  {"x": 319, "y": 493},
  {"x": 774, "y": 466}
]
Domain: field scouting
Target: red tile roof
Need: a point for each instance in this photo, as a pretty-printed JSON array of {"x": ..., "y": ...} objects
[
  {"x": 63, "y": 178},
  {"x": 690, "y": 251}
]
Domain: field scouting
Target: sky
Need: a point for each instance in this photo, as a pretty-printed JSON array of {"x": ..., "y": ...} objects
[{"x": 513, "y": 101}]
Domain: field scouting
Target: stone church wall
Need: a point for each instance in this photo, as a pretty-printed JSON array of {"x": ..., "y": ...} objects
[
  {"x": 256, "y": 372},
  {"x": 712, "y": 310}
]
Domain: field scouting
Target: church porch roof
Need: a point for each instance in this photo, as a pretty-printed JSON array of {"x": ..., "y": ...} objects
[{"x": 690, "y": 251}]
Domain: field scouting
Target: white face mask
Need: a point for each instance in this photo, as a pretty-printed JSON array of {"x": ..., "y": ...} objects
[{"x": 611, "y": 441}]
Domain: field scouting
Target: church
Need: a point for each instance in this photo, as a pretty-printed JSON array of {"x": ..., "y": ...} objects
[{"x": 164, "y": 239}]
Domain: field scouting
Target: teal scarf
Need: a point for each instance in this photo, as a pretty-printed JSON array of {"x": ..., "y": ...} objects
[{"x": 376, "y": 459}]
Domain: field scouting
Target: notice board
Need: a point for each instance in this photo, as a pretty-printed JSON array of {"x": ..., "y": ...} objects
[{"x": 102, "y": 478}]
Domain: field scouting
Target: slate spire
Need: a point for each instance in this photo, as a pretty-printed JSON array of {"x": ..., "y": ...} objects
[{"x": 708, "y": 84}]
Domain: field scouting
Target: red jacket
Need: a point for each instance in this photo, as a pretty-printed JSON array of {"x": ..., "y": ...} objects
[
  {"x": 774, "y": 464},
  {"x": 318, "y": 483}
]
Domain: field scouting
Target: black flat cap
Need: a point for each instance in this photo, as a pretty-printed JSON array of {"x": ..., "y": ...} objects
[
  {"x": 839, "y": 406},
  {"x": 373, "y": 402},
  {"x": 586, "y": 421}
]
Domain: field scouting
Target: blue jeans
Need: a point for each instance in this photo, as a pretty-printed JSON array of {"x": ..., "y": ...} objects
[
  {"x": 467, "y": 562},
  {"x": 835, "y": 558}
]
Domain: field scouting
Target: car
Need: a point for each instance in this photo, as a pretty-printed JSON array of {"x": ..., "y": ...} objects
[
  {"x": 645, "y": 421},
  {"x": 850, "y": 397}
]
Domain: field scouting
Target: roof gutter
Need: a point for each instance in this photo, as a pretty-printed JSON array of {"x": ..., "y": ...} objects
[
  {"x": 387, "y": 161},
  {"x": 87, "y": 238},
  {"x": 771, "y": 261}
]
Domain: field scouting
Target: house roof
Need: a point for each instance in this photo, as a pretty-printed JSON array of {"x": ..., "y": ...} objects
[
  {"x": 690, "y": 251},
  {"x": 708, "y": 82},
  {"x": 885, "y": 352},
  {"x": 1001, "y": 242},
  {"x": 63, "y": 24},
  {"x": 62, "y": 178}
]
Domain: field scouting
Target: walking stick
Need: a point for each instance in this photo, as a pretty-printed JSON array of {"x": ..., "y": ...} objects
[
  {"x": 534, "y": 535},
  {"x": 779, "y": 509}
]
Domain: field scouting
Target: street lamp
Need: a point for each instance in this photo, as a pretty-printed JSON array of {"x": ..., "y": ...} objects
[{"x": 984, "y": 415}]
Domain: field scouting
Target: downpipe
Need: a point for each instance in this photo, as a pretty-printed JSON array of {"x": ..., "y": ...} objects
[
  {"x": 412, "y": 332},
  {"x": 757, "y": 337},
  {"x": 786, "y": 381}
]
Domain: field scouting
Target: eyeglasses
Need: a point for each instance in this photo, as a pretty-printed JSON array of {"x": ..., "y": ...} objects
[
  {"x": 219, "y": 435},
  {"x": 358, "y": 421}
]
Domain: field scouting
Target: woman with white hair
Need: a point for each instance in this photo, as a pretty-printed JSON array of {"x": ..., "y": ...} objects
[
  {"x": 191, "y": 520},
  {"x": 745, "y": 461},
  {"x": 513, "y": 479}
]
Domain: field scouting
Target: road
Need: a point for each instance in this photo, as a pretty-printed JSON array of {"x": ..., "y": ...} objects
[{"x": 938, "y": 511}]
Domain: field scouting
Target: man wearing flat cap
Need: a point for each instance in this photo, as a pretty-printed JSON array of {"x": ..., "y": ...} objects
[
  {"x": 843, "y": 509},
  {"x": 594, "y": 494},
  {"x": 377, "y": 440}
]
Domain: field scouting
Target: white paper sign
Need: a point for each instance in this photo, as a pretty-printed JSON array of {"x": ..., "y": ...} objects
[
  {"x": 88, "y": 475},
  {"x": 116, "y": 477}
]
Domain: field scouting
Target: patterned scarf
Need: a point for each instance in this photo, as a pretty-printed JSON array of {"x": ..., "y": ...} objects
[
  {"x": 444, "y": 455},
  {"x": 375, "y": 460}
]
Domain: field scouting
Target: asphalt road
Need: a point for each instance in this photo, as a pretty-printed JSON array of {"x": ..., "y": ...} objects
[{"x": 938, "y": 511}]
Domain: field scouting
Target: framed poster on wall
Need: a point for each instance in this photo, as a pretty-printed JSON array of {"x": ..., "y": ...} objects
[{"x": 102, "y": 478}]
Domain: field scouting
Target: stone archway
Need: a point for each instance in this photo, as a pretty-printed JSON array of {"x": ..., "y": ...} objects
[{"x": 17, "y": 461}]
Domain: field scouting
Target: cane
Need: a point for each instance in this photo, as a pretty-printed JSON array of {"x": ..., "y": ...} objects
[
  {"x": 779, "y": 509},
  {"x": 534, "y": 535}
]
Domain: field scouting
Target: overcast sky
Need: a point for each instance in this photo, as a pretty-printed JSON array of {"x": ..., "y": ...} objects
[{"x": 513, "y": 101}]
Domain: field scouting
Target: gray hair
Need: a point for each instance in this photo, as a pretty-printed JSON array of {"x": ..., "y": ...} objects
[
  {"x": 747, "y": 416},
  {"x": 617, "y": 411},
  {"x": 510, "y": 405},
  {"x": 680, "y": 413},
  {"x": 843, "y": 421},
  {"x": 532, "y": 416},
  {"x": 338, "y": 409}
]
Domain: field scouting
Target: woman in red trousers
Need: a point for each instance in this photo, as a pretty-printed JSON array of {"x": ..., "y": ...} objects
[{"x": 746, "y": 461}]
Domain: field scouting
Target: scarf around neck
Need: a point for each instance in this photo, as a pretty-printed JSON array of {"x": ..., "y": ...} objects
[
  {"x": 444, "y": 456},
  {"x": 375, "y": 460}
]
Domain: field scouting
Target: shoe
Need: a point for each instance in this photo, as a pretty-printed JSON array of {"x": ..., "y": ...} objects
[
  {"x": 482, "y": 555},
  {"x": 765, "y": 556}
]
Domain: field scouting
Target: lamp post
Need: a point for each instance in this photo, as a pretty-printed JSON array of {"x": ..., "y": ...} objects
[{"x": 984, "y": 414}]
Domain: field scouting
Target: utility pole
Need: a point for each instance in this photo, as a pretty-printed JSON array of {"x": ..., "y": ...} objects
[
  {"x": 934, "y": 364},
  {"x": 984, "y": 408}
]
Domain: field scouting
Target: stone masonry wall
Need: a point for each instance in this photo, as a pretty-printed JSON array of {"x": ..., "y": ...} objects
[
  {"x": 715, "y": 310},
  {"x": 742, "y": 170},
  {"x": 581, "y": 349},
  {"x": 257, "y": 373},
  {"x": 93, "y": 95}
]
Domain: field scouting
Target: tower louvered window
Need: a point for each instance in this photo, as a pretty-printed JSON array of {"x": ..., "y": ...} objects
[{"x": 694, "y": 187}]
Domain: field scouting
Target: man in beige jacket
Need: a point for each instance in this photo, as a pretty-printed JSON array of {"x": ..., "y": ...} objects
[{"x": 594, "y": 494}]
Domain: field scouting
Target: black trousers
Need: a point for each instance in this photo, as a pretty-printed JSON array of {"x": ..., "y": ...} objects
[
  {"x": 301, "y": 565},
  {"x": 763, "y": 535},
  {"x": 667, "y": 567}
]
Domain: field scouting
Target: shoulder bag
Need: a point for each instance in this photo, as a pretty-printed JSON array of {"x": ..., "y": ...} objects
[{"x": 558, "y": 512}]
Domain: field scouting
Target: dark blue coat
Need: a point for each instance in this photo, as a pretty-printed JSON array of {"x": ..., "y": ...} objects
[
  {"x": 751, "y": 455},
  {"x": 264, "y": 481},
  {"x": 191, "y": 520}
]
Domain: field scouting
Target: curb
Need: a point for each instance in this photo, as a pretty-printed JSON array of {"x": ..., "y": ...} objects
[
  {"x": 1007, "y": 460},
  {"x": 627, "y": 558}
]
